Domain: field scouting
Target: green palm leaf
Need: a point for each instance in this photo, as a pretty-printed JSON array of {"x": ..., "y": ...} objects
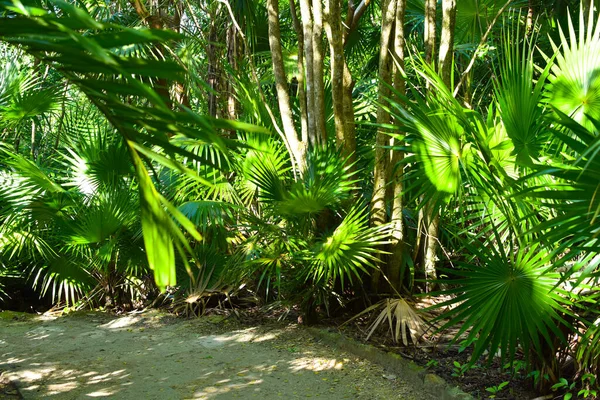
[
  {"x": 519, "y": 99},
  {"x": 507, "y": 299},
  {"x": 350, "y": 249},
  {"x": 574, "y": 87}
]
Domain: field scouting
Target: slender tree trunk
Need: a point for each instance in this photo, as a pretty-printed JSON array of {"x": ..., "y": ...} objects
[
  {"x": 180, "y": 93},
  {"x": 301, "y": 73},
  {"x": 341, "y": 80},
  {"x": 446, "y": 54},
  {"x": 333, "y": 28},
  {"x": 529, "y": 23},
  {"x": 318, "y": 73},
  {"x": 349, "y": 17},
  {"x": 283, "y": 98},
  {"x": 378, "y": 205},
  {"x": 397, "y": 247},
  {"x": 349, "y": 129},
  {"x": 33, "y": 142},
  {"x": 354, "y": 14},
  {"x": 431, "y": 247},
  {"x": 447, "y": 41},
  {"x": 233, "y": 54},
  {"x": 213, "y": 67},
  {"x": 429, "y": 39},
  {"x": 307, "y": 25}
]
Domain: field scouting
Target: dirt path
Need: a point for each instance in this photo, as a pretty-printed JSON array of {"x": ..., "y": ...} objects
[{"x": 152, "y": 356}]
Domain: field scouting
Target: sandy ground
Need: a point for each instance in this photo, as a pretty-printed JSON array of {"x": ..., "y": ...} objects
[{"x": 153, "y": 356}]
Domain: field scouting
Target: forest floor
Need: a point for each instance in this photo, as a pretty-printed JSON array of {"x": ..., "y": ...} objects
[{"x": 158, "y": 356}]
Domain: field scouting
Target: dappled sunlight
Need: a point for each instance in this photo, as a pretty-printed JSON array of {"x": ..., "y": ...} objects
[
  {"x": 60, "y": 388},
  {"x": 224, "y": 388},
  {"x": 120, "y": 323},
  {"x": 33, "y": 374},
  {"x": 249, "y": 335},
  {"x": 44, "y": 332},
  {"x": 126, "y": 358},
  {"x": 316, "y": 364},
  {"x": 52, "y": 379},
  {"x": 100, "y": 393}
]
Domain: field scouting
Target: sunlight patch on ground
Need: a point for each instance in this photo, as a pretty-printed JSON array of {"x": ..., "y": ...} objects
[
  {"x": 13, "y": 360},
  {"x": 43, "y": 332},
  {"x": 120, "y": 323},
  {"x": 32, "y": 375},
  {"x": 316, "y": 364},
  {"x": 216, "y": 390},
  {"x": 100, "y": 393},
  {"x": 133, "y": 358},
  {"x": 58, "y": 388},
  {"x": 120, "y": 374},
  {"x": 244, "y": 336}
]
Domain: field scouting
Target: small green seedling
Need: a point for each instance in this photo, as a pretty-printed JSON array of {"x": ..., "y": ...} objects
[
  {"x": 459, "y": 369},
  {"x": 432, "y": 363},
  {"x": 588, "y": 381},
  {"x": 563, "y": 384},
  {"x": 516, "y": 367},
  {"x": 494, "y": 390}
]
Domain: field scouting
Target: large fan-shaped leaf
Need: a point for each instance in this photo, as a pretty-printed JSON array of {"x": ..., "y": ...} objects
[
  {"x": 575, "y": 80},
  {"x": 350, "y": 249},
  {"x": 506, "y": 300},
  {"x": 519, "y": 99}
]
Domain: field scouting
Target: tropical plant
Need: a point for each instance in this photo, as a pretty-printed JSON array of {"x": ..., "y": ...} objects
[
  {"x": 81, "y": 50},
  {"x": 72, "y": 225},
  {"x": 304, "y": 233},
  {"x": 403, "y": 320}
]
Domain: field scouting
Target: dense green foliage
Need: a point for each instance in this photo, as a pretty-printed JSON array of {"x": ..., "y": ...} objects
[{"x": 132, "y": 162}]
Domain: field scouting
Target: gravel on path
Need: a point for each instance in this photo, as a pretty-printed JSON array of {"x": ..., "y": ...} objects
[{"x": 157, "y": 356}]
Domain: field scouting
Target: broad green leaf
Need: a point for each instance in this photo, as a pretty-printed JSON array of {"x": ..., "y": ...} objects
[{"x": 155, "y": 226}]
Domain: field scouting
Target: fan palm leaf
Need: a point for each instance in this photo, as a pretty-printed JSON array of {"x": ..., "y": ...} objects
[
  {"x": 574, "y": 83},
  {"x": 349, "y": 250},
  {"x": 506, "y": 299},
  {"x": 519, "y": 98}
]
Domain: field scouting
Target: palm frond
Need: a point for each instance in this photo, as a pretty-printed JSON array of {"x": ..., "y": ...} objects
[
  {"x": 506, "y": 299},
  {"x": 349, "y": 250},
  {"x": 574, "y": 83}
]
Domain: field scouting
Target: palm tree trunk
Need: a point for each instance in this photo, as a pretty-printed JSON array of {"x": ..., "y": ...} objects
[
  {"x": 283, "y": 97},
  {"x": 307, "y": 26},
  {"x": 341, "y": 80},
  {"x": 429, "y": 38},
  {"x": 180, "y": 93},
  {"x": 319, "y": 85},
  {"x": 380, "y": 173},
  {"x": 431, "y": 248},
  {"x": 233, "y": 54},
  {"x": 445, "y": 63},
  {"x": 33, "y": 142},
  {"x": 397, "y": 251},
  {"x": 213, "y": 69},
  {"x": 529, "y": 23},
  {"x": 349, "y": 129},
  {"x": 447, "y": 41},
  {"x": 301, "y": 73},
  {"x": 354, "y": 14},
  {"x": 333, "y": 28}
]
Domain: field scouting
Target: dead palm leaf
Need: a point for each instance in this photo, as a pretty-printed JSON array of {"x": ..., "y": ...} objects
[{"x": 401, "y": 317}]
